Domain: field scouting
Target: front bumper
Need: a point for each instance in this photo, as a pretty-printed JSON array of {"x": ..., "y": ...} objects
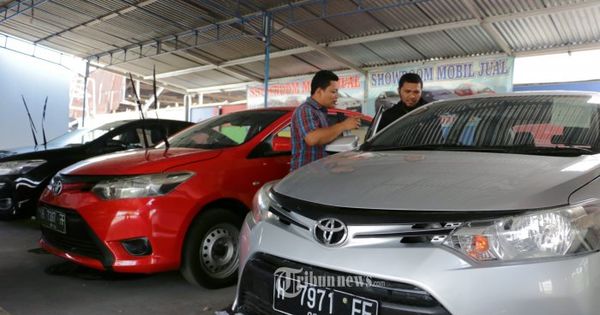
[
  {"x": 462, "y": 287},
  {"x": 19, "y": 194},
  {"x": 95, "y": 230}
]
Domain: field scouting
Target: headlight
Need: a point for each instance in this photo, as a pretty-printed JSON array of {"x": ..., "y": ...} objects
[
  {"x": 139, "y": 186},
  {"x": 559, "y": 232},
  {"x": 262, "y": 202},
  {"x": 19, "y": 167}
]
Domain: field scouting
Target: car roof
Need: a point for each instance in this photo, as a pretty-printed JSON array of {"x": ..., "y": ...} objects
[{"x": 523, "y": 93}]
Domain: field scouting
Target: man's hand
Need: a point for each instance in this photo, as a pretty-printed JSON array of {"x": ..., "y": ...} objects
[
  {"x": 322, "y": 136},
  {"x": 351, "y": 123}
]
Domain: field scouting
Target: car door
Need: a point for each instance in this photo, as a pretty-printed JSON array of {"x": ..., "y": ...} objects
[
  {"x": 360, "y": 132},
  {"x": 271, "y": 157},
  {"x": 374, "y": 123}
]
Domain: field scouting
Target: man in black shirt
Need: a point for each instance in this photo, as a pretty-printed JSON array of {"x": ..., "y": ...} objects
[{"x": 410, "y": 88}]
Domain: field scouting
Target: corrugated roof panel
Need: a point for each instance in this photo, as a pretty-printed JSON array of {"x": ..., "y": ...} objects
[
  {"x": 186, "y": 14},
  {"x": 75, "y": 48},
  {"x": 279, "y": 40},
  {"x": 319, "y": 61},
  {"x": 473, "y": 39},
  {"x": 267, "y": 4},
  {"x": 317, "y": 30},
  {"x": 35, "y": 30},
  {"x": 233, "y": 49},
  {"x": 170, "y": 62},
  {"x": 445, "y": 11},
  {"x": 281, "y": 67},
  {"x": 500, "y": 7},
  {"x": 358, "y": 54},
  {"x": 579, "y": 26},
  {"x": 161, "y": 26},
  {"x": 530, "y": 33},
  {"x": 124, "y": 37},
  {"x": 102, "y": 36},
  {"x": 93, "y": 43},
  {"x": 393, "y": 51},
  {"x": 402, "y": 17},
  {"x": 203, "y": 79},
  {"x": 436, "y": 44},
  {"x": 93, "y": 8},
  {"x": 347, "y": 23}
]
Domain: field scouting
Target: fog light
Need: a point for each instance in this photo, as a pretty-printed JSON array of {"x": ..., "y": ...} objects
[
  {"x": 6, "y": 203},
  {"x": 138, "y": 246}
]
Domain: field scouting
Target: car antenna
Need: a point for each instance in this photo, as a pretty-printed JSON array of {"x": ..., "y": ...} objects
[
  {"x": 31, "y": 124},
  {"x": 140, "y": 108},
  {"x": 164, "y": 131},
  {"x": 43, "y": 120}
]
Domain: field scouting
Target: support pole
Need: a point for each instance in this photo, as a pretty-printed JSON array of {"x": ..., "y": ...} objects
[
  {"x": 85, "y": 82},
  {"x": 267, "y": 30}
]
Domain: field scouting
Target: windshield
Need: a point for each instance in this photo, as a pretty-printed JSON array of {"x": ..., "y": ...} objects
[
  {"x": 83, "y": 136},
  {"x": 225, "y": 131},
  {"x": 524, "y": 124}
]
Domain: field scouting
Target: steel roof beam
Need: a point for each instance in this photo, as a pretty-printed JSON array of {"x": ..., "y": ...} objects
[
  {"x": 323, "y": 50},
  {"x": 486, "y": 23},
  {"x": 488, "y": 27},
  {"x": 18, "y": 7},
  {"x": 345, "y": 42}
]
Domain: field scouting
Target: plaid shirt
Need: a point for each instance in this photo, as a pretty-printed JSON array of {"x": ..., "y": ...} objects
[{"x": 306, "y": 118}]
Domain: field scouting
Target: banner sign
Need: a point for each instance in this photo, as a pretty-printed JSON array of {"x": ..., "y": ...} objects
[
  {"x": 293, "y": 92},
  {"x": 442, "y": 79}
]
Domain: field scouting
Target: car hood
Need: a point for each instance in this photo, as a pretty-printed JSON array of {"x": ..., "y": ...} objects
[
  {"x": 440, "y": 181},
  {"x": 35, "y": 152},
  {"x": 139, "y": 161}
]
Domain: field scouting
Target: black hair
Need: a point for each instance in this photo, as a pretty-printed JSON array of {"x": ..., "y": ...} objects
[
  {"x": 410, "y": 78},
  {"x": 322, "y": 79}
]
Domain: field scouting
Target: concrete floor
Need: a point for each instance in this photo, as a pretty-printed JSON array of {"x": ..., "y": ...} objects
[{"x": 34, "y": 282}]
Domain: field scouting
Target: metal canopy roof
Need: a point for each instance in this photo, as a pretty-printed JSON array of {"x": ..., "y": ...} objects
[{"x": 202, "y": 43}]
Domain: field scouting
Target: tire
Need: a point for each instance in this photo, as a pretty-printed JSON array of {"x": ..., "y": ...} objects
[{"x": 210, "y": 256}]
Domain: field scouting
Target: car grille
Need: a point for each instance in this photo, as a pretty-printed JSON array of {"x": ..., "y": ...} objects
[
  {"x": 79, "y": 238},
  {"x": 256, "y": 290},
  {"x": 405, "y": 227}
]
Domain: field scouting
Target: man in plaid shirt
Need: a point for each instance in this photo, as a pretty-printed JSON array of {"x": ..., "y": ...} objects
[{"x": 310, "y": 130}]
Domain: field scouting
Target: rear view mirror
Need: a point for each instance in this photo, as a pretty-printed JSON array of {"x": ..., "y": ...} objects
[
  {"x": 346, "y": 143},
  {"x": 282, "y": 144}
]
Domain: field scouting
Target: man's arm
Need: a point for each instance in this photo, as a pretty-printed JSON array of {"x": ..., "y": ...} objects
[{"x": 322, "y": 136}]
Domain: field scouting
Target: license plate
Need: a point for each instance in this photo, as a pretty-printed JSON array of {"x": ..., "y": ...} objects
[
  {"x": 295, "y": 297},
  {"x": 53, "y": 219}
]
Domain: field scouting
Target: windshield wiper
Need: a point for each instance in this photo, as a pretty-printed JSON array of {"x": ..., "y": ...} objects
[
  {"x": 554, "y": 151},
  {"x": 439, "y": 147}
]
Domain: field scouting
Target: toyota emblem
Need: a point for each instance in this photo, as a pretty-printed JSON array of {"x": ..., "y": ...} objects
[
  {"x": 57, "y": 187},
  {"x": 330, "y": 232}
]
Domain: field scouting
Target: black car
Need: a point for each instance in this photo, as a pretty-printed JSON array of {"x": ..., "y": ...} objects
[{"x": 25, "y": 172}]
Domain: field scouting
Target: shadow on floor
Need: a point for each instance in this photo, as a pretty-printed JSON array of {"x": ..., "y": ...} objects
[{"x": 69, "y": 269}]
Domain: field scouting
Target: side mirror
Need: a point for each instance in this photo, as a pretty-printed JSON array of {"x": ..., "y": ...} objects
[
  {"x": 346, "y": 143},
  {"x": 282, "y": 144}
]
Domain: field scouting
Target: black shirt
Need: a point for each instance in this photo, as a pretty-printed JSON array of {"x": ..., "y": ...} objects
[{"x": 393, "y": 113}]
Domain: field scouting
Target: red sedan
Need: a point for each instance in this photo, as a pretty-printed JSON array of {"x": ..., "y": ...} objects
[{"x": 146, "y": 211}]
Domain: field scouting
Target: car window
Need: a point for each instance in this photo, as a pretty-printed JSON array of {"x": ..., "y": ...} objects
[
  {"x": 83, "y": 136},
  {"x": 510, "y": 122},
  {"x": 226, "y": 131}
]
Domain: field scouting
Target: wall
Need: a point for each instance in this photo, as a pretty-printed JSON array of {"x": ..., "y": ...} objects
[
  {"x": 35, "y": 79},
  {"x": 563, "y": 86}
]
